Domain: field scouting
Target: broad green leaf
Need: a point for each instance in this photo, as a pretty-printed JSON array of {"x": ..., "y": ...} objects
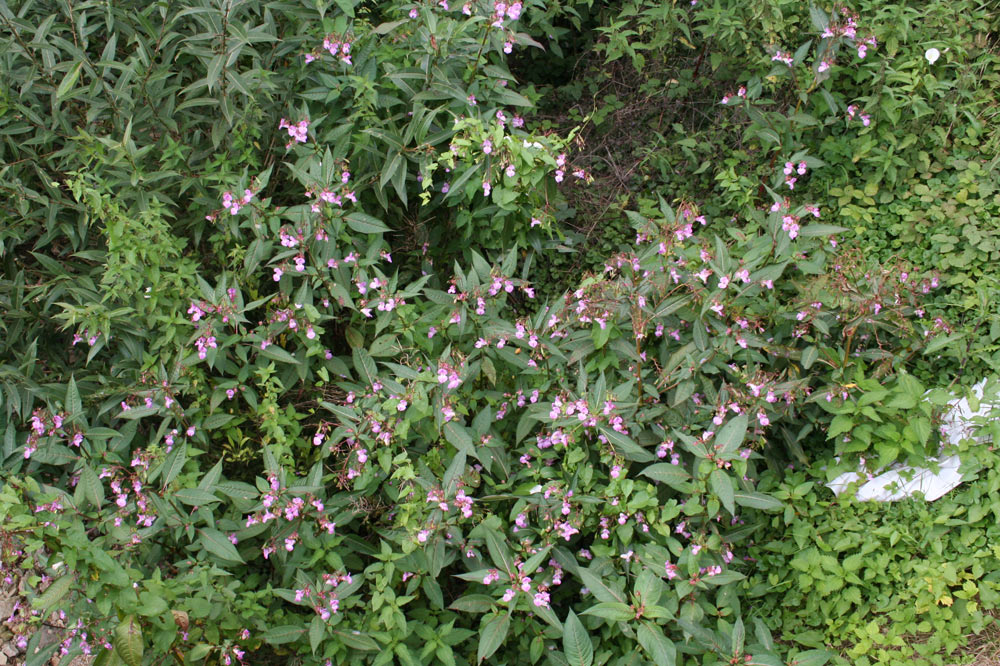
[
  {"x": 674, "y": 476},
  {"x": 72, "y": 400},
  {"x": 128, "y": 641},
  {"x": 722, "y": 486},
  {"x": 656, "y": 644},
  {"x": 276, "y": 353},
  {"x": 626, "y": 445},
  {"x": 473, "y": 603},
  {"x": 196, "y": 496},
  {"x": 599, "y": 588},
  {"x": 216, "y": 420},
  {"x": 93, "y": 489},
  {"x": 492, "y": 634},
  {"x": 69, "y": 80},
  {"x": 219, "y": 544},
  {"x": 366, "y": 224},
  {"x": 756, "y": 500},
  {"x": 731, "y": 436},
  {"x": 614, "y": 611},
  {"x": 576, "y": 642},
  {"x": 53, "y": 593},
  {"x": 283, "y": 634}
]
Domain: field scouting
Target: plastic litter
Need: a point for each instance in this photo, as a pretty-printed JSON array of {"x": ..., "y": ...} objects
[{"x": 904, "y": 480}]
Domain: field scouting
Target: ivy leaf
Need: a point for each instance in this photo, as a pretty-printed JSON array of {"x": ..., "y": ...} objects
[{"x": 576, "y": 642}]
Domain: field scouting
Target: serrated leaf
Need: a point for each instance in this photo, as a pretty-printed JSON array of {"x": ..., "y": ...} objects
[
  {"x": 576, "y": 642},
  {"x": 195, "y": 496},
  {"x": 614, "y": 611},
  {"x": 364, "y": 366},
  {"x": 473, "y": 603},
  {"x": 492, "y": 636},
  {"x": 357, "y": 640},
  {"x": 756, "y": 500},
  {"x": 216, "y": 420},
  {"x": 276, "y": 353},
  {"x": 658, "y": 646},
  {"x": 128, "y": 641},
  {"x": 72, "y": 400},
  {"x": 626, "y": 445},
  {"x": 722, "y": 486},
  {"x": 219, "y": 544},
  {"x": 93, "y": 489},
  {"x": 674, "y": 476},
  {"x": 731, "y": 436},
  {"x": 366, "y": 224},
  {"x": 811, "y": 658},
  {"x": 53, "y": 593},
  {"x": 283, "y": 634},
  {"x": 599, "y": 588}
]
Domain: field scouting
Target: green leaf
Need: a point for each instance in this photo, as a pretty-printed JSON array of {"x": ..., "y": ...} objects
[
  {"x": 128, "y": 641},
  {"x": 500, "y": 554},
  {"x": 219, "y": 544},
  {"x": 365, "y": 366},
  {"x": 366, "y": 224},
  {"x": 93, "y": 489},
  {"x": 276, "y": 353},
  {"x": 731, "y": 436},
  {"x": 317, "y": 629},
  {"x": 69, "y": 81},
  {"x": 809, "y": 356},
  {"x": 599, "y": 588},
  {"x": 357, "y": 640},
  {"x": 658, "y": 646},
  {"x": 626, "y": 445},
  {"x": 458, "y": 436},
  {"x": 821, "y": 230},
  {"x": 674, "y": 476},
  {"x": 216, "y": 420},
  {"x": 53, "y": 593},
  {"x": 614, "y": 611},
  {"x": 283, "y": 634},
  {"x": 473, "y": 603},
  {"x": 492, "y": 635},
  {"x": 811, "y": 658},
  {"x": 756, "y": 500},
  {"x": 722, "y": 486},
  {"x": 196, "y": 496},
  {"x": 72, "y": 400},
  {"x": 576, "y": 642}
]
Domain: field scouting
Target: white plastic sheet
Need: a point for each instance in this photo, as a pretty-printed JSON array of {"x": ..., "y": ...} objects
[{"x": 933, "y": 481}]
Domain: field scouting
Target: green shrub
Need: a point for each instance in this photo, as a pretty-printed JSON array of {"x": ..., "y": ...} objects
[{"x": 879, "y": 583}]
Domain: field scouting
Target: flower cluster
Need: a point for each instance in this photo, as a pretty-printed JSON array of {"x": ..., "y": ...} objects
[{"x": 299, "y": 132}]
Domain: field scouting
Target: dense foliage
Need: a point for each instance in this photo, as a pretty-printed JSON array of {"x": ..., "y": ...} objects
[{"x": 328, "y": 338}]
